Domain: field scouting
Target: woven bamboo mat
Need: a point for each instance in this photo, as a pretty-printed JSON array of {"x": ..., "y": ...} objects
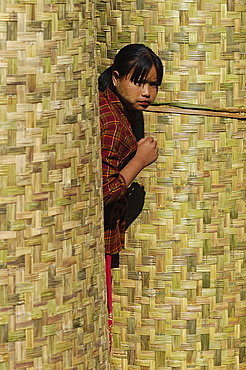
[
  {"x": 201, "y": 43},
  {"x": 52, "y": 287},
  {"x": 179, "y": 294}
]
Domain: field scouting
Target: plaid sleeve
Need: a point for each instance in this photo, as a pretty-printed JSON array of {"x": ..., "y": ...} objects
[{"x": 112, "y": 141}]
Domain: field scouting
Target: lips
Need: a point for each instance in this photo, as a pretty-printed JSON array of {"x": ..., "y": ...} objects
[{"x": 145, "y": 103}]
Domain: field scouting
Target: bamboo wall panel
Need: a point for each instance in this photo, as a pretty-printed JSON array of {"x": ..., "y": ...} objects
[
  {"x": 52, "y": 290},
  {"x": 179, "y": 294},
  {"x": 201, "y": 42}
]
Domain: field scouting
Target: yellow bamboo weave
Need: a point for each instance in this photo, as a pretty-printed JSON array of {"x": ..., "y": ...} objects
[
  {"x": 179, "y": 294},
  {"x": 52, "y": 287}
]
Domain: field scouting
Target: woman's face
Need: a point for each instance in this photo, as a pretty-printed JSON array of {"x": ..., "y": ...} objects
[{"x": 136, "y": 96}]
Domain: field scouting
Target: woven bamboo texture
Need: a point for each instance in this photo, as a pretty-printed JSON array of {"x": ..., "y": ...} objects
[
  {"x": 179, "y": 294},
  {"x": 202, "y": 44},
  {"x": 52, "y": 290}
]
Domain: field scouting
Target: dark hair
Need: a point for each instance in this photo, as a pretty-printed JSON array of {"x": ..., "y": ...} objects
[{"x": 134, "y": 57}]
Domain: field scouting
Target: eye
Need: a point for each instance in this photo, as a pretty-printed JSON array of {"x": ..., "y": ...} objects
[{"x": 154, "y": 83}]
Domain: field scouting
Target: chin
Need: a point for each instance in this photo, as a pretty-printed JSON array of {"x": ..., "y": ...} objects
[
  {"x": 143, "y": 108},
  {"x": 139, "y": 107}
]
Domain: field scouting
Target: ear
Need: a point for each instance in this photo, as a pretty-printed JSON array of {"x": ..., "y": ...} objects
[{"x": 115, "y": 77}]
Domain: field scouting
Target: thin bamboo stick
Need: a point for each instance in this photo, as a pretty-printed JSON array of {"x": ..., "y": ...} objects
[{"x": 196, "y": 111}]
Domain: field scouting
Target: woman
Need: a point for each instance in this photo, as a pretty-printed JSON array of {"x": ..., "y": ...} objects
[{"x": 127, "y": 88}]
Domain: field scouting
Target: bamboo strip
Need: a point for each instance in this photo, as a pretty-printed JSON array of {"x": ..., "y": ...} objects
[{"x": 195, "y": 111}]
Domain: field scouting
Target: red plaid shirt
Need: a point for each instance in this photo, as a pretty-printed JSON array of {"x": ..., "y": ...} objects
[{"x": 118, "y": 147}]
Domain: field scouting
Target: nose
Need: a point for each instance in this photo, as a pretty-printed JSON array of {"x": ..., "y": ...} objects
[{"x": 146, "y": 90}]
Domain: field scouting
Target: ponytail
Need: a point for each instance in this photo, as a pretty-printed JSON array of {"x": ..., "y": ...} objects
[{"x": 105, "y": 79}]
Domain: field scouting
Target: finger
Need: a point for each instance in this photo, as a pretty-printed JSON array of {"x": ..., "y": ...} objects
[
  {"x": 142, "y": 140},
  {"x": 154, "y": 143},
  {"x": 151, "y": 139}
]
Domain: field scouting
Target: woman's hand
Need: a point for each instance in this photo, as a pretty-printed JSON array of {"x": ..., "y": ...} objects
[{"x": 147, "y": 153}]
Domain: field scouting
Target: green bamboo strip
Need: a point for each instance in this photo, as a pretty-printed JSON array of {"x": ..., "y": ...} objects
[{"x": 195, "y": 111}]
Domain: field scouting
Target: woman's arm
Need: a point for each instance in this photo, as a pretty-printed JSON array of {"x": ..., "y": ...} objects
[
  {"x": 147, "y": 152},
  {"x": 115, "y": 144}
]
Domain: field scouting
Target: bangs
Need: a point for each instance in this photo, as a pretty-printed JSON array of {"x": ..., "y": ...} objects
[{"x": 141, "y": 68}]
